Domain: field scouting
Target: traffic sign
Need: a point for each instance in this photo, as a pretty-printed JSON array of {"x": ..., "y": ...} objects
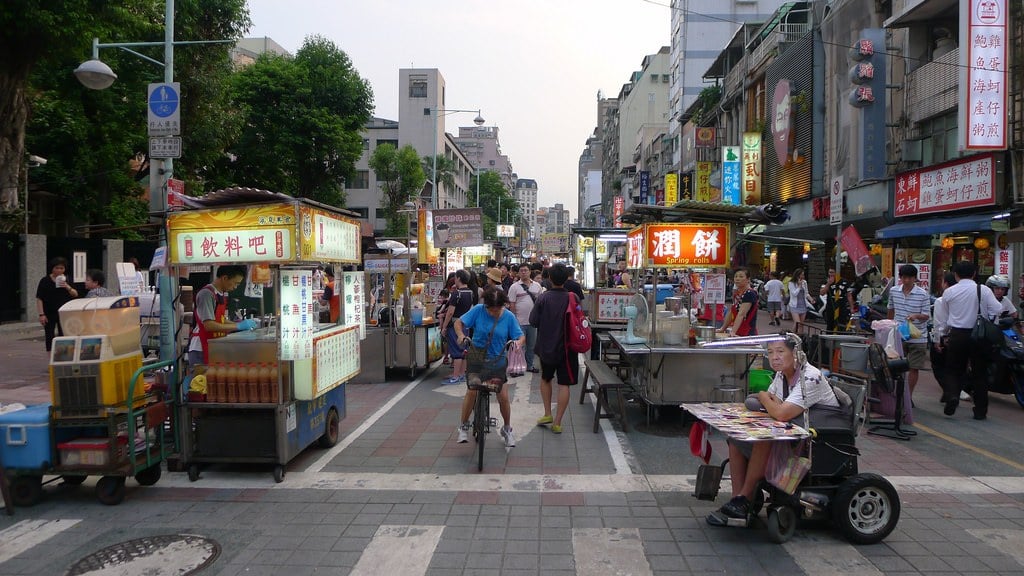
[
  {"x": 165, "y": 147},
  {"x": 836, "y": 201},
  {"x": 164, "y": 110}
]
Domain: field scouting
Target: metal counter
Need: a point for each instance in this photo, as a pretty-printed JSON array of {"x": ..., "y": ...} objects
[{"x": 671, "y": 375}]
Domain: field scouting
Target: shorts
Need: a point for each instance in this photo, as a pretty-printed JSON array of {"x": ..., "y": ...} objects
[
  {"x": 456, "y": 351},
  {"x": 745, "y": 447},
  {"x": 568, "y": 370},
  {"x": 774, "y": 306},
  {"x": 917, "y": 355}
]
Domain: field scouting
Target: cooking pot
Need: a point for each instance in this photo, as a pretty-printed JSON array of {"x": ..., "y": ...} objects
[
  {"x": 674, "y": 304},
  {"x": 706, "y": 333}
]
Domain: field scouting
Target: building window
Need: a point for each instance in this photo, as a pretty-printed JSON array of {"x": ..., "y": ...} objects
[
  {"x": 366, "y": 143},
  {"x": 359, "y": 181},
  {"x": 363, "y": 212},
  {"x": 383, "y": 141},
  {"x": 417, "y": 87},
  {"x": 939, "y": 139}
]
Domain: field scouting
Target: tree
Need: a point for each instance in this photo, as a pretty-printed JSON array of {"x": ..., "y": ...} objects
[
  {"x": 91, "y": 137},
  {"x": 445, "y": 172},
  {"x": 494, "y": 197},
  {"x": 400, "y": 175},
  {"x": 302, "y": 122}
]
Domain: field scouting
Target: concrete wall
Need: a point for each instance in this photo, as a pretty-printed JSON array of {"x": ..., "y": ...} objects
[{"x": 33, "y": 254}]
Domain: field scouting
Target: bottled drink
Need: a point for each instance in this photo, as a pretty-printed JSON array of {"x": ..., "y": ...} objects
[
  {"x": 232, "y": 383},
  {"x": 242, "y": 387},
  {"x": 269, "y": 387},
  {"x": 252, "y": 383},
  {"x": 212, "y": 381},
  {"x": 692, "y": 338}
]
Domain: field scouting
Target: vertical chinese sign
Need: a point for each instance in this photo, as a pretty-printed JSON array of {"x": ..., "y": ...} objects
[
  {"x": 751, "y": 167},
  {"x": 983, "y": 75},
  {"x": 731, "y": 175},
  {"x": 355, "y": 300},
  {"x": 868, "y": 74},
  {"x": 635, "y": 248},
  {"x": 704, "y": 181},
  {"x": 645, "y": 187},
  {"x": 618, "y": 208},
  {"x": 297, "y": 324},
  {"x": 671, "y": 189}
]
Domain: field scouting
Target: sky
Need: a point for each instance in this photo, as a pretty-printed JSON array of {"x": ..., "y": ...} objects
[{"x": 533, "y": 67}]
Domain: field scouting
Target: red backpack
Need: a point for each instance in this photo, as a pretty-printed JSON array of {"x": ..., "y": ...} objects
[{"x": 577, "y": 327}]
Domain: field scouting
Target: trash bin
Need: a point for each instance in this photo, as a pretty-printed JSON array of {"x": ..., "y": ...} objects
[{"x": 853, "y": 357}]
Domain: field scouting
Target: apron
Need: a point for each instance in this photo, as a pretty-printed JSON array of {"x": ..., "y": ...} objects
[{"x": 220, "y": 314}]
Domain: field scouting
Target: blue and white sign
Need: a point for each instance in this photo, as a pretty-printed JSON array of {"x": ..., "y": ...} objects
[
  {"x": 731, "y": 175},
  {"x": 164, "y": 109},
  {"x": 645, "y": 187}
]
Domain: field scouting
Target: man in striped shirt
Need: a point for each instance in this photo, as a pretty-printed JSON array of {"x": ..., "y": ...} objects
[{"x": 911, "y": 303}]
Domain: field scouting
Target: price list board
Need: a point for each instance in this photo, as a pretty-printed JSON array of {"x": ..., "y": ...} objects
[
  {"x": 610, "y": 305},
  {"x": 327, "y": 236},
  {"x": 355, "y": 300},
  {"x": 335, "y": 359},
  {"x": 297, "y": 320}
]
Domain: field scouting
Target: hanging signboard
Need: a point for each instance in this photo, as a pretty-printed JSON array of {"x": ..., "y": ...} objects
[
  {"x": 354, "y": 285},
  {"x": 618, "y": 208},
  {"x": 458, "y": 227},
  {"x": 329, "y": 237},
  {"x": 297, "y": 322},
  {"x": 947, "y": 187},
  {"x": 671, "y": 189},
  {"x": 635, "y": 248},
  {"x": 704, "y": 181},
  {"x": 233, "y": 235},
  {"x": 731, "y": 175},
  {"x": 751, "y": 168},
  {"x": 983, "y": 75},
  {"x": 678, "y": 245}
]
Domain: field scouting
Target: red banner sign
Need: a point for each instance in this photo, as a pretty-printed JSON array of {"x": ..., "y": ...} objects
[
  {"x": 679, "y": 245},
  {"x": 946, "y": 187},
  {"x": 855, "y": 248}
]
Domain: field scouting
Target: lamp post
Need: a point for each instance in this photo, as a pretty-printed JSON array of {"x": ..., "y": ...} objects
[
  {"x": 478, "y": 187},
  {"x": 479, "y": 121},
  {"x": 33, "y": 162},
  {"x": 97, "y": 75}
]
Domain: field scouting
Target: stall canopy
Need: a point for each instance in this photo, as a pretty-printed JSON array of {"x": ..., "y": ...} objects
[
  {"x": 988, "y": 221},
  {"x": 689, "y": 210}
]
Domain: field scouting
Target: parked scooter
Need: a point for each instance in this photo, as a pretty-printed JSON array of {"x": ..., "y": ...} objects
[{"x": 1008, "y": 370}]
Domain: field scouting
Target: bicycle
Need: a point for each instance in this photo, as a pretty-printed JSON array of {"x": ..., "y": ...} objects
[{"x": 485, "y": 375}]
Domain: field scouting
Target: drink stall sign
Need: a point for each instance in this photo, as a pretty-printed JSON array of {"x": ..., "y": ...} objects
[
  {"x": 232, "y": 235},
  {"x": 676, "y": 245},
  {"x": 336, "y": 359},
  {"x": 297, "y": 321},
  {"x": 355, "y": 284},
  {"x": 329, "y": 237}
]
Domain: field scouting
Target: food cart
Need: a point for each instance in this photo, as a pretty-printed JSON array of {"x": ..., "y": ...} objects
[
  {"x": 271, "y": 392},
  {"x": 401, "y": 322}
]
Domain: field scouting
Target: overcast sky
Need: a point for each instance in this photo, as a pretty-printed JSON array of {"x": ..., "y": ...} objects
[{"x": 533, "y": 67}]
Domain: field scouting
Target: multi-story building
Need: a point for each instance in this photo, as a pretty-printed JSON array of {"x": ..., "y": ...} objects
[
  {"x": 553, "y": 220},
  {"x": 526, "y": 196},
  {"x": 590, "y": 182},
  {"x": 247, "y": 50},
  {"x": 481, "y": 146},
  {"x": 362, "y": 190},
  {"x": 421, "y": 123}
]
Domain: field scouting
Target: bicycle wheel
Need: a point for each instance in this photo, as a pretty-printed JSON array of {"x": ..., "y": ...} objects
[{"x": 481, "y": 416}]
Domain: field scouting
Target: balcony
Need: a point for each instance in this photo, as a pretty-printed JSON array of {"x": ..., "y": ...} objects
[
  {"x": 774, "y": 43},
  {"x": 932, "y": 88}
]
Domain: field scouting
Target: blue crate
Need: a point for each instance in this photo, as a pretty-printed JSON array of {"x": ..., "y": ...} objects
[{"x": 25, "y": 438}]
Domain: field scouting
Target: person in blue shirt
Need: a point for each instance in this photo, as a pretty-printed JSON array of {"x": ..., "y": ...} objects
[{"x": 492, "y": 326}]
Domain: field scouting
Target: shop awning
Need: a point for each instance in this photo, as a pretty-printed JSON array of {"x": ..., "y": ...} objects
[{"x": 973, "y": 222}]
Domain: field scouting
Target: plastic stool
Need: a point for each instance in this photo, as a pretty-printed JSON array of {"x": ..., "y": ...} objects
[{"x": 727, "y": 393}]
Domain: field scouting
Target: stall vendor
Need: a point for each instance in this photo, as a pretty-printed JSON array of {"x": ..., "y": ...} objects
[
  {"x": 210, "y": 314},
  {"x": 742, "y": 317},
  {"x": 331, "y": 297}
]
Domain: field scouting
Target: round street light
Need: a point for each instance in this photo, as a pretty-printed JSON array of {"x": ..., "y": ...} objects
[
  {"x": 479, "y": 120},
  {"x": 95, "y": 74}
]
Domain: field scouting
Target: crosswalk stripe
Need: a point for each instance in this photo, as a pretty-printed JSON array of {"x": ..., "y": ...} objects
[
  {"x": 399, "y": 549},
  {"x": 28, "y": 533},
  {"x": 824, "y": 556},
  {"x": 609, "y": 552},
  {"x": 1009, "y": 542}
]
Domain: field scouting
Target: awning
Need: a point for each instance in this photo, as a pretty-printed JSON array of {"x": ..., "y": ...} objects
[{"x": 970, "y": 223}]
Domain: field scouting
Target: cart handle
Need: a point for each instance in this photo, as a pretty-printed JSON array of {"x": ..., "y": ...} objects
[{"x": 131, "y": 405}]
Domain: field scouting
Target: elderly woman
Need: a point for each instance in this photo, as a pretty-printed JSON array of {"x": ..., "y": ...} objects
[
  {"x": 492, "y": 325},
  {"x": 797, "y": 386}
]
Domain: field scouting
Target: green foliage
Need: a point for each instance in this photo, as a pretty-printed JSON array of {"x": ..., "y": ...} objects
[
  {"x": 301, "y": 121},
  {"x": 401, "y": 177},
  {"x": 494, "y": 196},
  {"x": 707, "y": 100}
]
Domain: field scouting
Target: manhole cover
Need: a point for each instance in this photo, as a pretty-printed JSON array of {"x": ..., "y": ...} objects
[{"x": 167, "y": 555}]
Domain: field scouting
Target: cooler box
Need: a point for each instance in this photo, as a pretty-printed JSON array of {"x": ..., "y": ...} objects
[
  {"x": 25, "y": 438},
  {"x": 94, "y": 452}
]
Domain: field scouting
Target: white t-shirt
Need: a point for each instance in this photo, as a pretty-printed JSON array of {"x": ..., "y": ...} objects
[
  {"x": 807, "y": 390},
  {"x": 517, "y": 295},
  {"x": 773, "y": 288}
]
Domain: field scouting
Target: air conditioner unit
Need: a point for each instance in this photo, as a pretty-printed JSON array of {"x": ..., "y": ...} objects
[{"x": 910, "y": 150}]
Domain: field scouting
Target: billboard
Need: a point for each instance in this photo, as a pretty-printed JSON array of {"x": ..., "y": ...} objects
[
  {"x": 460, "y": 227},
  {"x": 983, "y": 75}
]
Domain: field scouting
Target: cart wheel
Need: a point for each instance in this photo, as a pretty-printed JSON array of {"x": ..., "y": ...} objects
[
  {"x": 26, "y": 490},
  {"x": 866, "y": 508},
  {"x": 73, "y": 480},
  {"x": 278, "y": 473},
  {"x": 193, "y": 472},
  {"x": 781, "y": 524},
  {"x": 110, "y": 490},
  {"x": 149, "y": 476},
  {"x": 332, "y": 430}
]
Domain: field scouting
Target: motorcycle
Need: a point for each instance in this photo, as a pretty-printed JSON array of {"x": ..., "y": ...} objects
[{"x": 1007, "y": 377}]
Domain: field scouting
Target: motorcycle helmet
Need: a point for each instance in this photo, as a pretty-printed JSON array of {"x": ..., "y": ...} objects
[{"x": 998, "y": 281}]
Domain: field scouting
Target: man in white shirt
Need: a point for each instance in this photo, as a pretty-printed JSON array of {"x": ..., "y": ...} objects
[
  {"x": 773, "y": 289},
  {"x": 911, "y": 303},
  {"x": 521, "y": 296},
  {"x": 963, "y": 306}
]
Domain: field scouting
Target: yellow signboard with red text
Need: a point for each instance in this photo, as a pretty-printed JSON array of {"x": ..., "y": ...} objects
[{"x": 678, "y": 245}]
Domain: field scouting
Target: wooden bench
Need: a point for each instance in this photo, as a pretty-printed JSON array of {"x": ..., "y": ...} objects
[{"x": 605, "y": 379}]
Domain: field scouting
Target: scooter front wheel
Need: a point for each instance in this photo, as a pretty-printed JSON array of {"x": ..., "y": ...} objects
[{"x": 1017, "y": 381}]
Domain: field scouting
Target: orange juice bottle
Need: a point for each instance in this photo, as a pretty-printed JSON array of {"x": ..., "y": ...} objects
[
  {"x": 232, "y": 384},
  {"x": 253, "y": 383},
  {"x": 212, "y": 374},
  {"x": 242, "y": 387}
]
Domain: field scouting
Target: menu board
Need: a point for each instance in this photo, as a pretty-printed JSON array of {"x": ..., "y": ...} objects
[
  {"x": 335, "y": 359},
  {"x": 355, "y": 299},
  {"x": 714, "y": 289},
  {"x": 610, "y": 304},
  {"x": 297, "y": 319},
  {"x": 329, "y": 237}
]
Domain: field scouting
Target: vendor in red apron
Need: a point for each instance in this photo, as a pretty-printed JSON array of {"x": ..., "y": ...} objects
[
  {"x": 742, "y": 317},
  {"x": 210, "y": 314}
]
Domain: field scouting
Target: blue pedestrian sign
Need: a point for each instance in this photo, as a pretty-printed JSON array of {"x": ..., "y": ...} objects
[{"x": 164, "y": 109}]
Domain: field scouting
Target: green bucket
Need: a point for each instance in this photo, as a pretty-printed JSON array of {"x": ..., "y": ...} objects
[{"x": 759, "y": 380}]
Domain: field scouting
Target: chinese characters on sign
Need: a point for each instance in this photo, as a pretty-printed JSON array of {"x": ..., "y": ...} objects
[
  {"x": 297, "y": 321},
  {"x": 259, "y": 245},
  {"x": 731, "y": 175},
  {"x": 835, "y": 204},
  {"x": 354, "y": 305},
  {"x": 635, "y": 248},
  {"x": 645, "y": 187},
  {"x": 1003, "y": 257},
  {"x": 751, "y": 167},
  {"x": 671, "y": 245},
  {"x": 704, "y": 181},
  {"x": 336, "y": 359},
  {"x": 983, "y": 75},
  {"x": 714, "y": 289},
  {"x": 610, "y": 306},
  {"x": 618, "y": 207},
  {"x": 458, "y": 227},
  {"x": 671, "y": 189},
  {"x": 946, "y": 187},
  {"x": 329, "y": 237}
]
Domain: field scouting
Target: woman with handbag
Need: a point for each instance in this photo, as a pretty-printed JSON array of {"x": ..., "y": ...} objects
[
  {"x": 492, "y": 325},
  {"x": 797, "y": 387}
]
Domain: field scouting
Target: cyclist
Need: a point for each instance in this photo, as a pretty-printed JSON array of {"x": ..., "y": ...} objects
[{"x": 493, "y": 325}]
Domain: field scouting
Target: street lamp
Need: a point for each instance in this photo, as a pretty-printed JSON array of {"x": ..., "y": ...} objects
[
  {"x": 33, "y": 162},
  {"x": 479, "y": 121},
  {"x": 97, "y": 75}
]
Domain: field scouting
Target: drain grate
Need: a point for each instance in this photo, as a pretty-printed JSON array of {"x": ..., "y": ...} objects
[{"x": 165, "y": 555}]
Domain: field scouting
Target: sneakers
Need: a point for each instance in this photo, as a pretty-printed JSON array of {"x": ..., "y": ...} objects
[
  {"x": 737, "y": 508},
  {"x": 964, "y": 396},
  {"x": 510, "y": 438},
  {"x": 556, "y": 428},
  {"x": 544, "y": 420},
  {"x": 455, "y": 379},
  {"x": 464, "y": 433}
]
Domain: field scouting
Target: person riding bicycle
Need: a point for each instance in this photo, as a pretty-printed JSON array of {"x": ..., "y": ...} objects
[{"x": 493, "y": 325}]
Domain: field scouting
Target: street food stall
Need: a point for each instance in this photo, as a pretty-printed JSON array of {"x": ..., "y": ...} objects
[
  {"x": 267, "y": 394},
  {"x": 401, "y": 321}
]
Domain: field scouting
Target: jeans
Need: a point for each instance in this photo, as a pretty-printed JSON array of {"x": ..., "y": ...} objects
[{"x": 531, "y": 342}]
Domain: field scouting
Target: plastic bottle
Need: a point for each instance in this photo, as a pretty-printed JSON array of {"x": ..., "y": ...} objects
[
  {"x": 692, "y": 338},
  {"x": 270, "y": 384},
  {"x": 252, "y": 383},
  {"x": 242, "y": 387},
  {"x": 212, "y": 382},
  {"x": 263, "y": 383},
  {"x": 232, "y": 384}
]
